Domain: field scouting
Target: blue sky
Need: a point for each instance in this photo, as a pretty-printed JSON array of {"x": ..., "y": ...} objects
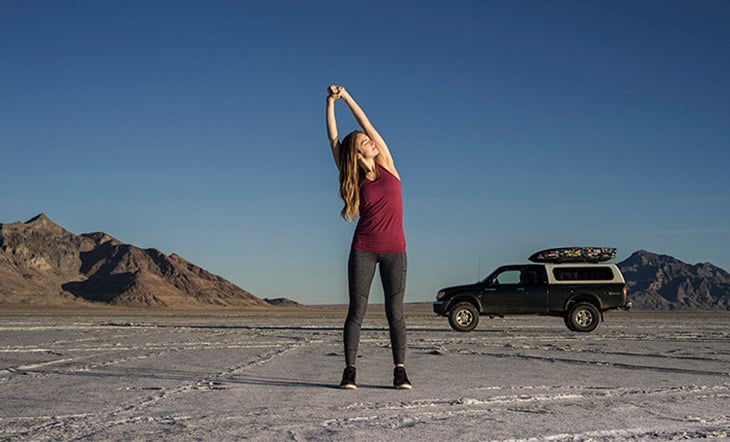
[{"x": 197, "y": 127}]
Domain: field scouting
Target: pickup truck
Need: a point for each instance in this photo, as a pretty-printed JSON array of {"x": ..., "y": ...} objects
[{"x": 577, "y": 292}]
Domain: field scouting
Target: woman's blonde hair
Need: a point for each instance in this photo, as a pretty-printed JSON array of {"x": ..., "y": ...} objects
[{"x": 351, "y": 176}]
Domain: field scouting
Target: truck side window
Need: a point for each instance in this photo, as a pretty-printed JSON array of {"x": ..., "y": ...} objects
[
  {"x": 509, "y": 277},
  {"x": 602, "y": 273},
  {"x": 529, "y": 277}
]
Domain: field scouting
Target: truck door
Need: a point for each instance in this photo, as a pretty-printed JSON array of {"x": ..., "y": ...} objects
[
  {"x": 535, "y": 295},
  {"x": 516, "y": 290}
]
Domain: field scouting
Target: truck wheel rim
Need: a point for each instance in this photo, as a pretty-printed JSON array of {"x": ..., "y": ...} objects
[
  {"x": 584, "y": 318},
  {"x": 464, "y": 317}
]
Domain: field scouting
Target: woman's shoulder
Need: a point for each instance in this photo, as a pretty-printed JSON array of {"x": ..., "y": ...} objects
[{"x": 388, "y": 169}]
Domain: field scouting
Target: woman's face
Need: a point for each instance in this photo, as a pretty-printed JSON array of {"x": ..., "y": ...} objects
[{"x": 365, "y": 146}]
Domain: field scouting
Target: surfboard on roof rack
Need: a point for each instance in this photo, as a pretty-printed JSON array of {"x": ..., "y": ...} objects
[{"x": 574, "y": 254}]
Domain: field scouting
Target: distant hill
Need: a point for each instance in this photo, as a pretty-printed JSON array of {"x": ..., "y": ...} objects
[
  {"x": 41, "y": 263},
  {"x": 660, "y": 282},
  {"x": 283, "y": 302}
]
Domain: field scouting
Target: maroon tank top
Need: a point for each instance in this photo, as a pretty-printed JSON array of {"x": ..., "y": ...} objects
[{"x": 380, "y": 227}]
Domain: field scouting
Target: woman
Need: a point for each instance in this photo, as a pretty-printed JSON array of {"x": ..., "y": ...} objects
[{"x": 370, "y": 185}]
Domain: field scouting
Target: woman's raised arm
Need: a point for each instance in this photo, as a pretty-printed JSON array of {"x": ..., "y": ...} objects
[
  {"x": 384, "y": 158},
  {"x": 332, "y": 136}
]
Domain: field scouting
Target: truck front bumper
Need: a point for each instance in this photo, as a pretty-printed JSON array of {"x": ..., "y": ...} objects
[{"x": 440, "y": 308}]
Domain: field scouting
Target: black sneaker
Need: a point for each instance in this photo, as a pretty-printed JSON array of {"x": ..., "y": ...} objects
[
  {"x": 348, "y": 379},
  {"x": 400, "y": 380}
]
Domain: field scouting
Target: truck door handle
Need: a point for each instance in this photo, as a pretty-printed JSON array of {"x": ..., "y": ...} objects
[{"x": 520, "y": 289}]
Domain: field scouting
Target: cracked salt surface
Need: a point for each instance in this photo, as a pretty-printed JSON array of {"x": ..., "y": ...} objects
[{"x": 639, "y": 376}]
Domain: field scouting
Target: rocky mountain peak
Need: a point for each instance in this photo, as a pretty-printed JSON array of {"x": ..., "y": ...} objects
[
  {"x": 40, "y": 218},
  {"x": 661, "y": 282},
  {"x": 643, "y": 258},
  {"x": 43, "y": 263},
  {"x": 43, "y": 222}
]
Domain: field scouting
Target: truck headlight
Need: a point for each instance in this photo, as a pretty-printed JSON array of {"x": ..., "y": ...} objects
[{"x": 441, "y": 294}]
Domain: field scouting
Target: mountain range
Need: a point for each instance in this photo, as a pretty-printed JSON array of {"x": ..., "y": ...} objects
[
  {"x": 41, "y": 263},
  {"x": 661, "y": 282}
]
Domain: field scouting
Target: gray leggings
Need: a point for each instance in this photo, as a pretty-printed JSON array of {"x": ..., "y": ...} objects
[{"x": 360, "y": 272}]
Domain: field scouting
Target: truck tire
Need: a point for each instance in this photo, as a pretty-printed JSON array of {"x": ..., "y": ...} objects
[
  {"x": 568, "y": 324},
  {"x": 583, "y": 317},
  {"x": 464, "y": 317}
]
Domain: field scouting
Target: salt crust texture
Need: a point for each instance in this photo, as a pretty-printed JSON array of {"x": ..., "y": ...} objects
[{"x": 638, "y": 377}]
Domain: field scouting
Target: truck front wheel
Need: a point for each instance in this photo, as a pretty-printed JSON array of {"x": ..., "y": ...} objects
[
  {"x": 583, "y": 317},
  {"x": 464, "y": 317},
  {"x": 568, "y": 322}
]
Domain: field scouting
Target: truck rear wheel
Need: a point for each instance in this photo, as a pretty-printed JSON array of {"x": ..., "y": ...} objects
[
  {"x": 583, "y": 317},
  {"x": 464, "y": 317}
]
